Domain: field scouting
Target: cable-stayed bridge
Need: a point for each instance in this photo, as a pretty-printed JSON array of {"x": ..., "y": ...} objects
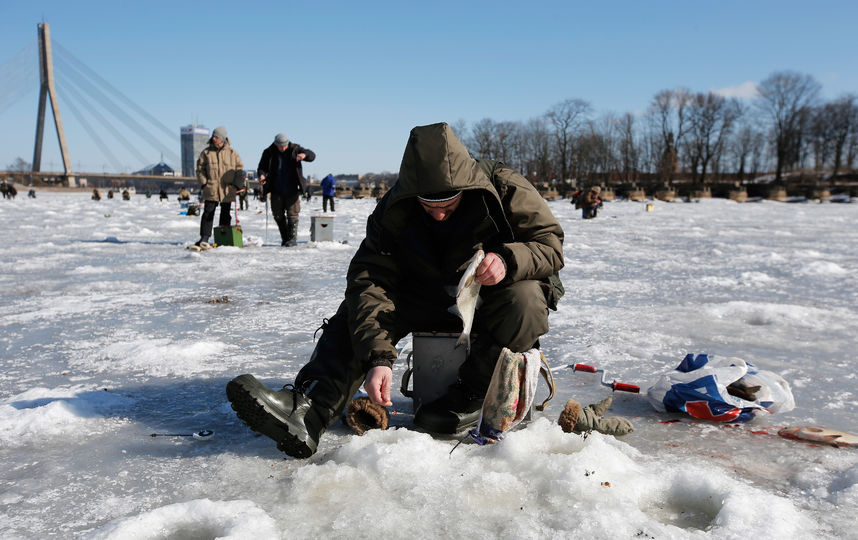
[{"x": 104, "y": 113}]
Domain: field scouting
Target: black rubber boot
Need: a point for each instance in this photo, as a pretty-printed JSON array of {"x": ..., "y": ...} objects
[
  {"x": 286, "y": 416},
  {"x": 455, "y": 411},
  {"x": 283, "y": 226},
  {"x": 292, "y": 233}
]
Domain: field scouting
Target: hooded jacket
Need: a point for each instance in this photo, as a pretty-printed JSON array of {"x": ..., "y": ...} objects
[
  {"x": 504, "y": 214},
  {"x": 220, "y": 172},
  {"x": 268, "y": 166},
  {"x": 591, "y": 198},
  {"x": 329, "y": 186}
]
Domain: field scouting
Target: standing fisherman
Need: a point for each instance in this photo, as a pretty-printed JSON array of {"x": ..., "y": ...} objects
[
  {"x": 281, "y": 175},
  {"x": 221, "y": 173}
]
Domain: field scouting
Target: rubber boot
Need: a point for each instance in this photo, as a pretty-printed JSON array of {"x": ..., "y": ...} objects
[
  {"x": 457, "y": 410},
  {"x": 292, "y": 233},
  {"x": 284, "y": 231},
  {"x": 286, "y": 416}
]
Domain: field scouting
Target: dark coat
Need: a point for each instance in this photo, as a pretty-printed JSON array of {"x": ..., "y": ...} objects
[
  {"x": 506, "y": 215},
  {"x": 268, "y": 163}
]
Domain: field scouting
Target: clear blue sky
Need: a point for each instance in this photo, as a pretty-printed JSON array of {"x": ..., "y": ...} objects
[{"x": 350, "y": 79}]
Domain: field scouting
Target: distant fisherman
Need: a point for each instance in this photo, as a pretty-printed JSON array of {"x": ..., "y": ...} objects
[
  {"x": 281, "y": 174},
  {"x": 221, "y": 173},
  {"x": 444, "y": 207}
]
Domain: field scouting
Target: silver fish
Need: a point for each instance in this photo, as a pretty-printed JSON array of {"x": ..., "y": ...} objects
[{"x": 468, "y": 299}]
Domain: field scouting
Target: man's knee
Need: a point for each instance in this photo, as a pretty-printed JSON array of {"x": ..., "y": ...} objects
[{"x": 516, "y": 315}]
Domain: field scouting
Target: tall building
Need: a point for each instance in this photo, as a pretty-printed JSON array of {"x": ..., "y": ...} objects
[{"x": 194, "y": 140}]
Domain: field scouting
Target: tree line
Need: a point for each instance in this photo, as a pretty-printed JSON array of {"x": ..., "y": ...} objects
[{"x": 699, "y": 136}]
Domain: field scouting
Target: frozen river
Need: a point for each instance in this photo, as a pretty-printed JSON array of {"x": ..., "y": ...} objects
[{"x": 110, "y": 333}]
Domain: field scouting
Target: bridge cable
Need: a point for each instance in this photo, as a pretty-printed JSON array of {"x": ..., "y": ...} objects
[
  {"x": 68, "y": 102},
  {"x": 20, "y": 76},
  {"x": 95, "y": 76},
  {"x": 66, "y": 87},
  {"x": 108, "y": 104}
]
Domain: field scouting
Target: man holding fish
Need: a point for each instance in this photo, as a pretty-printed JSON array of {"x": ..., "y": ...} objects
[{"x": 445, "y": 209}]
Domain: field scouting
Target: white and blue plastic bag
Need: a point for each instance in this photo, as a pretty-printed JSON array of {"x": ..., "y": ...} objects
[{"x": 698, "y": 387}]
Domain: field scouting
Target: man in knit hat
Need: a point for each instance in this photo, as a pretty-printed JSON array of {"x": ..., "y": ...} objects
[
  {"x": 281, "y": 175},
  {"x": 444, "y": 207},
  {"x": 221, "y": 173}
]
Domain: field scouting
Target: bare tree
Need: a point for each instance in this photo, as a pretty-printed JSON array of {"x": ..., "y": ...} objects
[
  {"x": 567, "y": 118},
  {"x": 20, "y": 165},
  {"x": 669, "y": 113},
  {"x": 592, "y": 149},
  {"x": 746, "y": 147},
  {"x": 821, "y": 136},
  {"x": 711, "y": 119},
  {"x": 538, "y": 150},
  {"x": 851, "y": 150},
  {"x": 483, "y": 138},
  {"x": 650, "y": 150},
  {"x": 785, "y": 98},
  {"x": 519, "y": 147},
  {"x": 844, "y": 126},
  {"x": 503, "y": 143},
  {"x": 628, "y": 148}
]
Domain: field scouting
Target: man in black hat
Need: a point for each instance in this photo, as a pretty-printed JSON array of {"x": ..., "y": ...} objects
[
  {"x": 443, "y": 208},
  {"x": 281, "y": 175}
]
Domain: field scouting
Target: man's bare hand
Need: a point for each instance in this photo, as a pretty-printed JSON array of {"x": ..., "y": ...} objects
[
  {"x": 491, "y": 271},
  {"x": 301, "y": 156},
  {"x": 377, "y": 385}
]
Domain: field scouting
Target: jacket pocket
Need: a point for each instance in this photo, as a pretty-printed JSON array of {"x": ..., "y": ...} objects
[{"x": 556, "y": 290}]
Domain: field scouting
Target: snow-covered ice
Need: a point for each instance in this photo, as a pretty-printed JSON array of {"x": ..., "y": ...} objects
[{"x": 113, "y": 331}]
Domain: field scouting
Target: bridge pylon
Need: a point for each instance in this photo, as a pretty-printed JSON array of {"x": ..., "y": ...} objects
[{"x": 48, "y": 90}]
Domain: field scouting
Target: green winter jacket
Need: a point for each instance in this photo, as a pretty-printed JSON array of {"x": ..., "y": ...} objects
[
  {"x": 512, "y": 220},
  {"x": 220, "y": 172}
]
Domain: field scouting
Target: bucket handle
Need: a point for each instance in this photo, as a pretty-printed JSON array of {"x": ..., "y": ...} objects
[{"x": 406, "y": 377}]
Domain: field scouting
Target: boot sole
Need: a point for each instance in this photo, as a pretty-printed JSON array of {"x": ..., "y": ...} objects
[{"x": 258, "y": 414}]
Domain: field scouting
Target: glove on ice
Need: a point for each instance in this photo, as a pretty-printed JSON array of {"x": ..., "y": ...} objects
[
  {"x": 364, "y": 414},
  {"x": 743, "y": 390},
  {"x": 576, "y": 419}
]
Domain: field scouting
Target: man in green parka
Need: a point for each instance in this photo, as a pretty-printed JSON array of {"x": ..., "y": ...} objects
[{"x": 444, "y": 206}]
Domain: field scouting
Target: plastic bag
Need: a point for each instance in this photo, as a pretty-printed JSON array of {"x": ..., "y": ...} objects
[
  {"x": 699, "y": 387},
  {"x": 510, "y": 395}
]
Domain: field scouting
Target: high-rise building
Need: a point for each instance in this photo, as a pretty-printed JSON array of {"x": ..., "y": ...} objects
[{"x": 194, "y": 140}]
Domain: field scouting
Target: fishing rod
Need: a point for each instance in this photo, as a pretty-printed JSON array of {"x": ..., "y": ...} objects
[{"x": 201, "y": 435}]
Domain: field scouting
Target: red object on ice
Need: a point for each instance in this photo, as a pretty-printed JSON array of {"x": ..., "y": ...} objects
[{"x": 614, "y": 385}]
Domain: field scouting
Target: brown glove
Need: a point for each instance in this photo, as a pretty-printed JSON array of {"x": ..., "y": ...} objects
[
  {"x": 741, "y": 389},
  {"x": 575, "y": 419},
  {"x": 363, "y": 414}
]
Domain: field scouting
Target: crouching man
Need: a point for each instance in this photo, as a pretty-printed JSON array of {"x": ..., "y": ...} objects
[{"x": 444, "y": 206}]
